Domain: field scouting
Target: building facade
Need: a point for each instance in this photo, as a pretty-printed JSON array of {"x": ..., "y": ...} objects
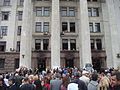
[{"x": 59, "y": 33}]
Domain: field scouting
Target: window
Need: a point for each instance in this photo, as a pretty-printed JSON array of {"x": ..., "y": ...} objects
[
  {"x": 64, "y": 44},
  {"x": 97, "y": 27},
  {"x": 64, "y": 11},
  {"x": 45, "y": 44},
  {"x": 72, "y": 26},
  {"x": 99, "y": 44},
  {"x": 37, "y": 44},
  {"x": 94, "y": 27},
  {"x": 96, "y": 44},
  {"x": 18, "y": 46},
  {"x": 38, "y": 27},
  {"x": 2, "y": 46},
  {"x": 71, "y": 11},
  {"x": 92, "y": 44},
  {"x": 94, "y": 0},
  {"x": 19, "y": 30},
  {"x": 89, "y": 12},
  {"x": 93, "y": 12},
  {"x": 4, "y": 30},
  {"x": 6, "y": 2},
  {"x": 46, "y": 11},
  {"x": 68, "y": 11},
  {"x": 46, "y": 27},
  {"x": 21, "y": 2},
  {"x": 91, "y": 27},
  {"x": 16, "y": 63},
  {"x": 20, "y": 13},
  {"x": 5, "y": 15},
  {"x": 2, "y": 62},
  {"x": 42, "y": 11},
  {"x": 72, "y": 44},
  {"x": 64, "y": 27},
  {"x": 38, "y": 11}
]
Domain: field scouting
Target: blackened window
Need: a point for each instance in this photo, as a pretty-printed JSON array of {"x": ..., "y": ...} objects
[
  {"x": 45, "y": 44},
  {"x": 16, "y": 63},
  {"x": 37, "y": 44},
  {"x": 64, "y": 44},
  {"x": 72, "y": 44},
  {"x": 5, "y": 15},
  {"x": 72, "y": 26},
  {"x": 2, "y": 46},
  {"x": 2, "y": 62},
  {"x": 64, "y": 26},
  {"x": 94, "y": 0},
  {"x": 88, "y": 0},
  {"x": 99, "y": 44}
]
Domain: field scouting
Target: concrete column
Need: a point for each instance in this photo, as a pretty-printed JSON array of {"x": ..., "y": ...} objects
[
  {"x": 55, "y": 35},
  {"x": 111, "y": 33},
  {"x": 12, "y": 28},
  {"x": 84, "y": 34},
  {"x": 26, "y": 34}
]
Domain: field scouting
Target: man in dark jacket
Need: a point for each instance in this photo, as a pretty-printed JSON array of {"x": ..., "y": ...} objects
[
  {"x": 27, "y": 85},
  {"x": 115, "y": 81},
  {"x": 12, "y": 85}
]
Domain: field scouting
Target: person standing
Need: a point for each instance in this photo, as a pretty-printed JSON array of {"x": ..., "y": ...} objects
[
  {"x": 55, "y": 84},
  {"x": 27, "y": 85},
  {"x": 93, "y": 85}
]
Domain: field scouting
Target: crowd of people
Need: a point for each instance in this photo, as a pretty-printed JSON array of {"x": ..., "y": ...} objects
[{"x": 60, "y": 79}]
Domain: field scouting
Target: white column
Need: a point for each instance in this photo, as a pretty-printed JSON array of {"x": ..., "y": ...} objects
[
  {"x": 26, "y": 34},
  {"x": 111, "y": 34},
  {"x": 55, "y": 35},
  {"x": 84, "y": 34},
  {"x": 12, "y": 29}
]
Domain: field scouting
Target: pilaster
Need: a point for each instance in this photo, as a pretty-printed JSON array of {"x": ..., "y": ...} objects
[
  {"x": 55, "y": 35},
  {"x": 12, "y": 29},
  {"x": 26, "y": 34},
  {"x": 84, "y": 34},
  {"x": 111, "y": 34}
]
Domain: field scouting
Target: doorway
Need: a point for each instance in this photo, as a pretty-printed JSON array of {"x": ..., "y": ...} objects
[
  {"x": 69, "y": 63},
  {"x": 41, "y": 65},
  {"x": 96, "y": 64}
]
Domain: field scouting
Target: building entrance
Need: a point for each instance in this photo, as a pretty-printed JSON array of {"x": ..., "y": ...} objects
[
  {"x": 69, "y": 63},
  {"x": 41, "y": 65},
  {"x": 98, "y": 64}
]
